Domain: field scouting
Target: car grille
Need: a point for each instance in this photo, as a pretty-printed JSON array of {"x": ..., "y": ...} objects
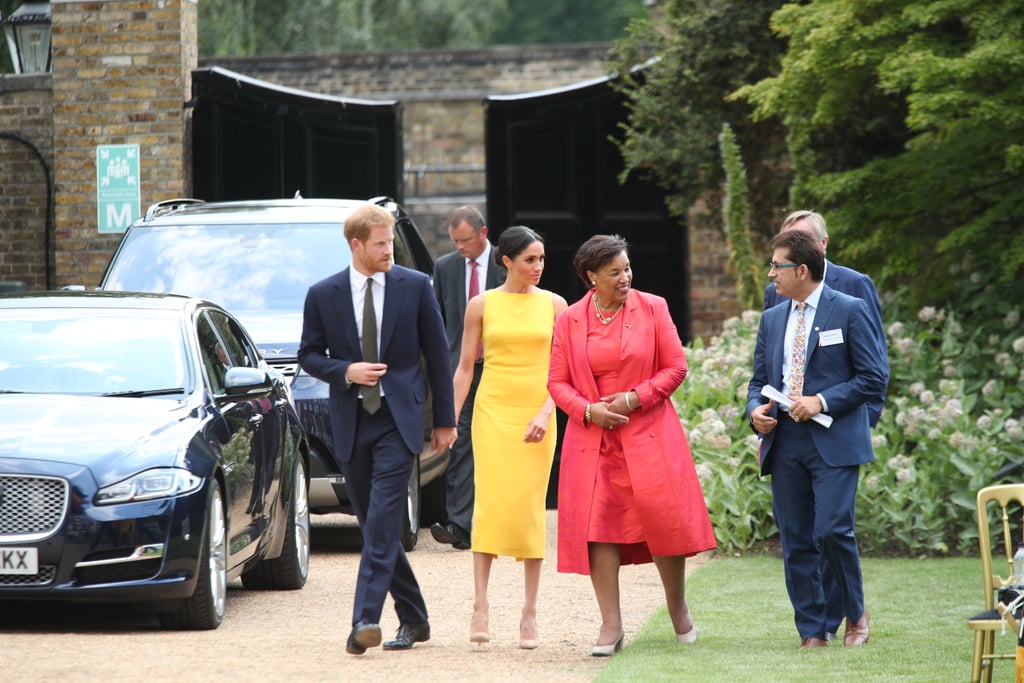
[
  {"x": 43, "y": 578},
  {"x": 286, "y": 369},
  {"x": 31, "y": 507}
]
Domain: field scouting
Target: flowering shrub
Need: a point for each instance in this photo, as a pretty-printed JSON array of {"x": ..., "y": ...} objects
[{"x": 953, "y": 418}]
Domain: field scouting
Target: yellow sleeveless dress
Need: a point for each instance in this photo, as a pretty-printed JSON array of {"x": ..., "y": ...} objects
[{"x": 511, "y": 476}]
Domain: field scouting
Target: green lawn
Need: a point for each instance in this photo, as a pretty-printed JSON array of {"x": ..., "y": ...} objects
[{"x": 919, "y": 611}]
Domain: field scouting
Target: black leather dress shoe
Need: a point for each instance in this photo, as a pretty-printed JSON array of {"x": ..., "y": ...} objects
[
  {"x": 407, "y": 635},
  {"x": 451, "y": 534},
  {"x": 363, "y": 636}
]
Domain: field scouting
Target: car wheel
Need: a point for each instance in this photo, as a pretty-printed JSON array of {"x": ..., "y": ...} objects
[
  {"x": 411, "y": 522},
  {"x": 204, "y": 609},
  {"x": 289, "y": 570}
]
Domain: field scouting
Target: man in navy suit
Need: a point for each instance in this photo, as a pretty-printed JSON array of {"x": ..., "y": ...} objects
[
  {"x": 839, "y": 278},
  {"x": 854, "y": 283},
  {"x": 454, "y": 276},
  {"x": 815, "y": 468},
  {"x": 377, "y": 399}
]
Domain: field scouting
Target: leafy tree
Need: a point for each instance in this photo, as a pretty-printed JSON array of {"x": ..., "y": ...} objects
[
  {"x": 246, "y": 27},
  {"x": 906, "y": 121},
  {"x": 565, "y": 21},
  {"x": 703, "y": 50}
]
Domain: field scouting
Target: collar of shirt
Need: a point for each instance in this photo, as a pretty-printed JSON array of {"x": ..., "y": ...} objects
[
  {"x": 812, "y": 300},
  {"x": 481, "y": 260}
]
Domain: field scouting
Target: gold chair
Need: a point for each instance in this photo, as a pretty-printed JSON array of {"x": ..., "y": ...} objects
[{"x": 995, "y": 617}]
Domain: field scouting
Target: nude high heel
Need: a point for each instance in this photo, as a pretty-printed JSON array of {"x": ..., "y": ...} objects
[
  {"x": 478, "y": 631},
  {"x": 528, "y": 634},
  {"x": 608, "y": 650}
]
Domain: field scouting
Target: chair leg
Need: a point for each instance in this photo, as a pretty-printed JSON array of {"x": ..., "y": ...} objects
[
  {"x": 989, "y": 649},
  {"x": 976, "y": 657}
]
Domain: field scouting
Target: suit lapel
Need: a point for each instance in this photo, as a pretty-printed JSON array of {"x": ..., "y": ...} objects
[
  {"x": 460, "y": 287},
  {"x": 394, "y": 295},
  {"x": 777, "y": 332},
  {"x": 826, "y": 304}
]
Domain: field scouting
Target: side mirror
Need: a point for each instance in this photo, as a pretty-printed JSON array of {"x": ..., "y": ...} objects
[{"x": 246, "y": 383}]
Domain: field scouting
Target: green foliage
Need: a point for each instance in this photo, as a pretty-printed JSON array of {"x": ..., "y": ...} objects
[
  {"x": 906, "y": 119},
  {"x": 745, "y": 623},
  {"x": 247, "y": 27},
  {"x": 677, "y": 103},
  {"x": 737, "y": 217},
  {"x": 565, "y": 21},
  {"x": 954, "y": 416}
]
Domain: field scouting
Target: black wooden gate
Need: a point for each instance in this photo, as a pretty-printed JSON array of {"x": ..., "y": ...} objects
[
  {"x": 255, "y": 140},
  {"x": 551, "y": 166}
]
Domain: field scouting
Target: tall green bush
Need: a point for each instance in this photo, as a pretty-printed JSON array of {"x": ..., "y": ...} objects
[{"x": 953, "y": 417}]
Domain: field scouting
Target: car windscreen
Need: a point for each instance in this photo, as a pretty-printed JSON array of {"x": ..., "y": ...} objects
[
  {"x": 250, "y": 267},
  {"x": 90, "y": 351}
]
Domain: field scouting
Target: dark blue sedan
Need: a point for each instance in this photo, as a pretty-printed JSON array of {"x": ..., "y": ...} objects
[{"x": 147, "y": 454}]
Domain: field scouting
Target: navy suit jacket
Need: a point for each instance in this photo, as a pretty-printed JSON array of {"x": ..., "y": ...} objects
[
  {"x": 411, "y": 325},
  {"x": 856, "y": 284},
  {"x": 848, "y": 374},
  {"x": 450, "y": 289}
]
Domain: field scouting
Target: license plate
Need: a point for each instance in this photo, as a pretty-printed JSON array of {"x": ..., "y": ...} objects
[{"x": 19, "y": 561}]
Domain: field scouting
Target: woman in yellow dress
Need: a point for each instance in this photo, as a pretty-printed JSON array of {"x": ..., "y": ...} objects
[{"x": 513, "y": 422}]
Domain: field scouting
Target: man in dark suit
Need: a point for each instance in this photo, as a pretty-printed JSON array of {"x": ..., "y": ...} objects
[
  {"x": 468, "y": 270},
  {"x": 377, "y": 398},
  {"x": 856, "y": 284},
  {"x": 839, "y": 278},
  {"x": 823, "y": 352}
]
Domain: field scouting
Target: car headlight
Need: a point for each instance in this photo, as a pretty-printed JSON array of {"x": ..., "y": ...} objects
[{"x": 161, "y": 482}]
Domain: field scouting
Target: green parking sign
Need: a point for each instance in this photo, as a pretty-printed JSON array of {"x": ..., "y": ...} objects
[{"x": 118, "y": 199}]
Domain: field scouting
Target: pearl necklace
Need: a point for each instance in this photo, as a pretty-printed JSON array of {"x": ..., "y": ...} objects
[{"x": 600, "y": 315}]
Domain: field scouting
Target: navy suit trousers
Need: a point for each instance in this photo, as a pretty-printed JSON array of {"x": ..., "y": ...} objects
[
  {"x": 814, "y": 507},
  {"x": 377, "y": 478}
]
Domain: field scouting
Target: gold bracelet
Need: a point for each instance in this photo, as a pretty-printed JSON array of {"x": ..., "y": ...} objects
[
  {"x": 628, "y": 407},
  {"x": 586, "y": 414}
]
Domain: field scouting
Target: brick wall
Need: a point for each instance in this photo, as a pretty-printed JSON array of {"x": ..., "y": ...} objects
[
  {"x": 442, "y": 91},
  {"x": 26, "y": 157},
  {"x": 111, "y": 88}
]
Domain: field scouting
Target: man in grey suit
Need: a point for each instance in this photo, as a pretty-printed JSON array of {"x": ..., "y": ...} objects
[{"x": 458, "y": 276}]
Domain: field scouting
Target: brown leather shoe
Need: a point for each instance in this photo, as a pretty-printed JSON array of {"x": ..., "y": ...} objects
[
  {"x": 857, "y": 633},
  {"x": 807, "y": 643}
]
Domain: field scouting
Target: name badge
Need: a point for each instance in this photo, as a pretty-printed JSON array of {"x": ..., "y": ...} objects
[{"x": 830, "y": 337}]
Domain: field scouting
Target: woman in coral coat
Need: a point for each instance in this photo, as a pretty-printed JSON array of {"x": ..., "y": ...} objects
[{"x": 628, "y": 492}]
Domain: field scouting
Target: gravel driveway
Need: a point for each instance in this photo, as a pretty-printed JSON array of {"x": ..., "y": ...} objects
[{"x": 300, "y": 636}]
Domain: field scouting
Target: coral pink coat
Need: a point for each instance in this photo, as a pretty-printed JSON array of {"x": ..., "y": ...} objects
[{"x": 665, "y": 485}]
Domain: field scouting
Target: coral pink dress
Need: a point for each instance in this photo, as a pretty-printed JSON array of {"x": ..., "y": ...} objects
[{"x": 634, "y": 485}]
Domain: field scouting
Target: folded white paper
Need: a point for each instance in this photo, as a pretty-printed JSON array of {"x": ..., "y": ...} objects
[{"x": 785, "y": 403}]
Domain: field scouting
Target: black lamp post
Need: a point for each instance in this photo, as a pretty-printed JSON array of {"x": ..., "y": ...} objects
[{"x": 28, "y": 31}]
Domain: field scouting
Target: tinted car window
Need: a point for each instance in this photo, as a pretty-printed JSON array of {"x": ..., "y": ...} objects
[
  {"x": 62, "y": 351},
  {"x": 248, "y": 267}
]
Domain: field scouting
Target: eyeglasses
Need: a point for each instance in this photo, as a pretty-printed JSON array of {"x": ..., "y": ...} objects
[{"x": 772, "y": 265}]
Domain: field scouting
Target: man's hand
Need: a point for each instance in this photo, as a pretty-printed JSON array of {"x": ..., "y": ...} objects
[
  {"x": 760, "y": 416},
  {"x": 366, "y": 373},
  {"x": 442, "y": 438},
  {"x": 804, "y": 408}
]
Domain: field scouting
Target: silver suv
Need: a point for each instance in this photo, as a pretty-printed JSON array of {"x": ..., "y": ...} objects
[{"x": 257, "y": 259}]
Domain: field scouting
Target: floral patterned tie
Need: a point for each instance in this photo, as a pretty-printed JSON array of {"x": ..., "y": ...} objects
[{"x": 799, "y": 357}]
